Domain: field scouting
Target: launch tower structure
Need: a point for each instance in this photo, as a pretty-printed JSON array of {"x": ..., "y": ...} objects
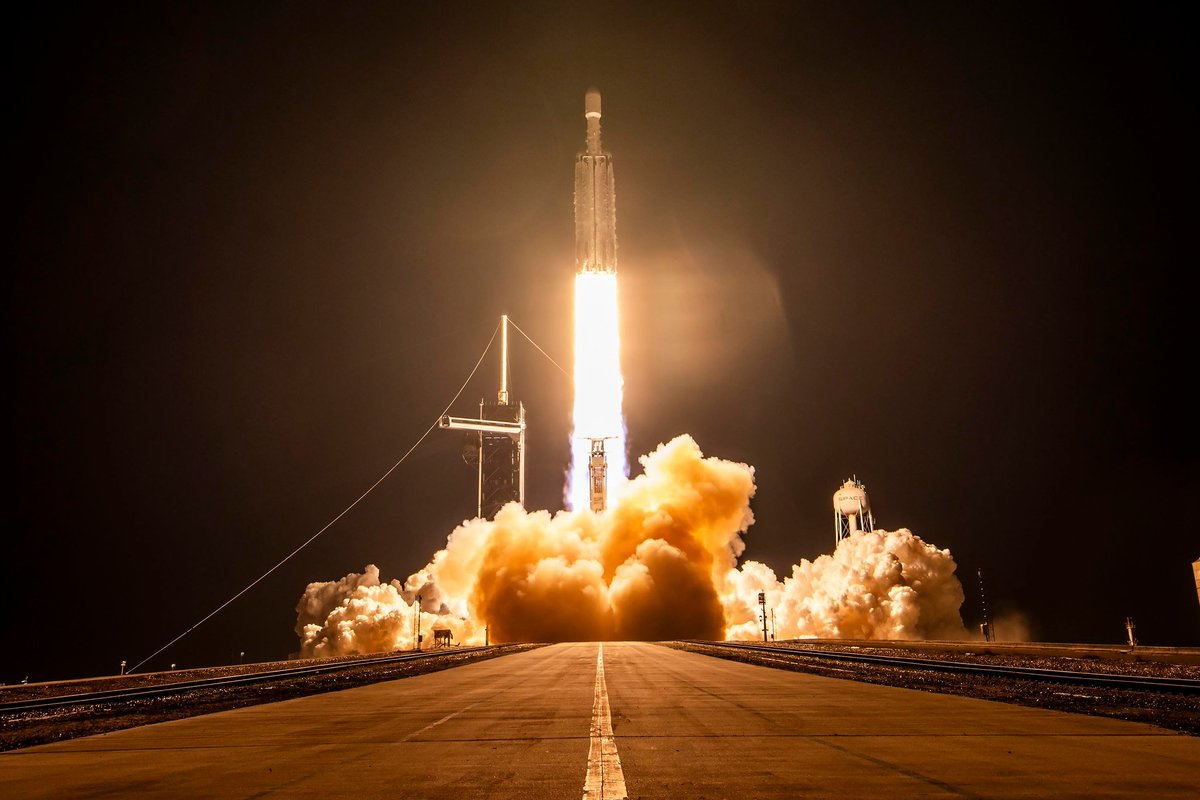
[
  {"x": 851, "y": 510},
  {"x": 497, "y": 448}
]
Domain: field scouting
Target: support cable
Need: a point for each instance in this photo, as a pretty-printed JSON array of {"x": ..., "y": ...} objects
[
  {"x": 538, "y": 346},
  {"x": 331, "y": 522}
]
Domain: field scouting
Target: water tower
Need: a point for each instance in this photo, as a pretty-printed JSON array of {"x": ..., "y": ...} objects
[{"x": 851, "y": 510}]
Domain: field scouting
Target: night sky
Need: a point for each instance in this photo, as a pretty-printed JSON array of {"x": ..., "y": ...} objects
[{"x": 257, "y": 251}]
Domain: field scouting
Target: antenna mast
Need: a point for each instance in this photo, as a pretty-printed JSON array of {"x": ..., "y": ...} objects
[
  {"x": 503, "y": 395},
  {"x": 985, "y": 627}
]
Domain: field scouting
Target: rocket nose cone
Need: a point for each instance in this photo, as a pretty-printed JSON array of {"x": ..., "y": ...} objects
[{"x": 591, "y": 102}]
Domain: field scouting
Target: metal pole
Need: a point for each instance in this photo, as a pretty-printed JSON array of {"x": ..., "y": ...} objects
[
  {"x": 503, "y": 359},
  {"x": 479, "y": 482},
  {"x": 417, "y": 625},
  {"x": 521, "y": 457},
  {"x": 986, "y": 627},
  {"x": 762, "y": 601}
]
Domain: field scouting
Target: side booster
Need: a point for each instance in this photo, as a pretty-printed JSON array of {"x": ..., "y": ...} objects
[{"x": 595, "y": 199}]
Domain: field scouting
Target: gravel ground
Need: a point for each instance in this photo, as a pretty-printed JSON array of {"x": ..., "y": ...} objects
[
  {"x": 23, "y": 729},
  {"x": 1148, "y": 662},
  {"x": 1174, "y": 710}
]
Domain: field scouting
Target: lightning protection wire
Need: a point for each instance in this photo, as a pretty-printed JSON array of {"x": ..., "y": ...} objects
[
  {"x": 345, "y": 511},
  {"x": 538, "y": 346}
]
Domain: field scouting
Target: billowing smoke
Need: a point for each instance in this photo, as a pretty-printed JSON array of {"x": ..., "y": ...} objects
[
  {"x": 875, "y": 585},
  {"x": 660, "y": 563},
  {"x": 358, "y": 614}
]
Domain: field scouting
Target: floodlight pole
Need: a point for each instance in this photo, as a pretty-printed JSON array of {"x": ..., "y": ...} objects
[{"x": 417, "y": 625}]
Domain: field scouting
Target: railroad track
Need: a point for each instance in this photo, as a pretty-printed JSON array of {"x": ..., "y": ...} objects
[
  {"x": 223, "y": 681},
  {"x": 1184, "y": 685}
]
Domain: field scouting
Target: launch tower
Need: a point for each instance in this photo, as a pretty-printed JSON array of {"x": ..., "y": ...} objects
[
  {"x": 501, "y": 457},
  {"x": 496, "y": 443}
]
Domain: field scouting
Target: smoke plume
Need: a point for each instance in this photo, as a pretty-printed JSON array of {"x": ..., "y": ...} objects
[
  {"x": 660, "y": 563},
  {"x": 875, "y": 585}
]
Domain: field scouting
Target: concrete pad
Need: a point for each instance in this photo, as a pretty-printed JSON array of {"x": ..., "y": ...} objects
[
  {"x": 685, "y": 725},
  {"x": 752, "y": 731}
]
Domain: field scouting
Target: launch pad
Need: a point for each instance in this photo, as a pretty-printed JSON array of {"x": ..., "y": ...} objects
[{"x": 703, "y": 726}]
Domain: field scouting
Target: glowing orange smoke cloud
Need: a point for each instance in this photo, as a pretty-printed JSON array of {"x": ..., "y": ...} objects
[{"x": 660, "y": 563}]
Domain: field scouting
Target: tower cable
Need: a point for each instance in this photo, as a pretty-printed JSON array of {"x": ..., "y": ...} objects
[
  {"x": 538, "y": 346},
  {"x": 346, "y": 510}
]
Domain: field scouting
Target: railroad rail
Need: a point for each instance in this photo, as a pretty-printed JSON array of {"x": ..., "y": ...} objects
[
  {"x": 221, "y": 681},
  {"x": 1185, "y": 685}
]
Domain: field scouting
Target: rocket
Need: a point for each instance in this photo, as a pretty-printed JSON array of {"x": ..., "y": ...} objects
[
  {"x": 597, "y": 366},
  {"x": 595, "y": 198}
]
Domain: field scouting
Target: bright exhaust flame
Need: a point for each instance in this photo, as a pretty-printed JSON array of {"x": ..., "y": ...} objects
[{"x": 598, "y": 385}]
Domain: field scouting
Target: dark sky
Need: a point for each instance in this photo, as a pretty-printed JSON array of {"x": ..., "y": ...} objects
[{"x": 257, "y": 251}]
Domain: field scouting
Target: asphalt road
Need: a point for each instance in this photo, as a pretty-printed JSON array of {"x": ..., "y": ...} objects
[{"x": 531, "y": 725}]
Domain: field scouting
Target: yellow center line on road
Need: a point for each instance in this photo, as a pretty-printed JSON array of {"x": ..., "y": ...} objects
[{"x": 604, "y": 780}]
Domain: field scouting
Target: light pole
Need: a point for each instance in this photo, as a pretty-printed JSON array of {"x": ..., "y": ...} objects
[
  {"x": 985, "y": 627},
  {"x": 417, "y": 625}
]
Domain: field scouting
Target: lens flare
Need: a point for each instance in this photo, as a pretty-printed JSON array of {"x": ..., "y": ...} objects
[{"x": 598, "y": 385}]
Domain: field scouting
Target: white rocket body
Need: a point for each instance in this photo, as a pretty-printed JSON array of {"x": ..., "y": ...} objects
[
  {"x": 599, "y": 387},
  {"x": 595, "y": 199}
]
